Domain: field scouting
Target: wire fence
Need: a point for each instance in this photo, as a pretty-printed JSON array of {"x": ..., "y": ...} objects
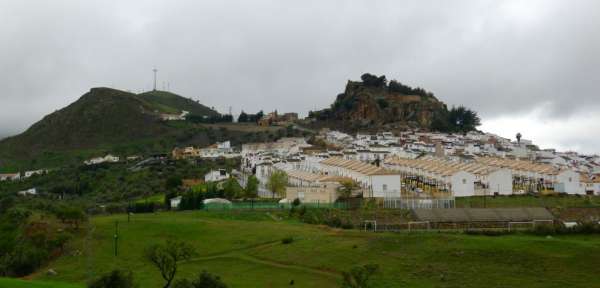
[
  {"x": 416, "y": 203},
  {"x": 257, "y": 205}
]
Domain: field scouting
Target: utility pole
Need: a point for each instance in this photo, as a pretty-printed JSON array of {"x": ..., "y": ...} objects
[{"x": 154, "y": 70}]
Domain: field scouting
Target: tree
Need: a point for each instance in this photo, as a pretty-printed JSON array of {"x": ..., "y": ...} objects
[
  {"x": 204, "y": 280},
  {"x": 165, "y": 258},
  {"x": 463, "y": 120},
  {"x": 251, "y": 190},
  {"x": 243, "y": 117},
  {"x": 173, "y": 182},
  {"x": 232, "y": 189},
  {"x": 358, "y": 277},
  {"x": 114, "y": 279},
  {"x": 346, "y": 188},
  {"x": 71, "y": 214},
  {"x": 277, "y": 183},
  {"x": 373, "y": 81}
]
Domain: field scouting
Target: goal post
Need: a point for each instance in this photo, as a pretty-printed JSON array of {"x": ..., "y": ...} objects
[
  {"x": 411, "y": 223},
  {"x": 372, "y": 223}
]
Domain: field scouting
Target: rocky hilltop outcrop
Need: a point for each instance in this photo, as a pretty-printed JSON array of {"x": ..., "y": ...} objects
[{"x": 373, "y": 103}]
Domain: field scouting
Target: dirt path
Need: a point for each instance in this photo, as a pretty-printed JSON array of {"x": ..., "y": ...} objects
[{"x": 240, "y": 255}]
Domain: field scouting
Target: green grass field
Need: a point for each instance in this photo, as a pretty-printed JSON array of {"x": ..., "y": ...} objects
[
  {"x": 245, "y": 249},
  {"x": 17, "y": 283}
]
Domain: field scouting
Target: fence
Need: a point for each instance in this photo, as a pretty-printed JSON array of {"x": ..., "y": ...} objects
[
  {"x": 258, "y": 205},
  {"x": 416, "y": 203}
]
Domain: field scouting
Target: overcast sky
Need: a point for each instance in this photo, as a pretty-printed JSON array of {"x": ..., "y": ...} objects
[{"x": 526, "y": 66}]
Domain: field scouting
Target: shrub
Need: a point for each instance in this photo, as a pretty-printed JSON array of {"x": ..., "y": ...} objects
[
  {"x": 204, "y": 280},
  {"x": 287, "y": 240},
  {"x": 347, "y": 225},
  {"x": 359, "y": 276},
  {"x": 114, "y": 279},
  {"x": 24, "y": 259},
  {"x": 334, "y": 221},
  {"x": 488, "y": 232}
]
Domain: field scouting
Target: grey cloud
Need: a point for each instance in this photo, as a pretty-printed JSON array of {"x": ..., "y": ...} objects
[{"x": 498, "y": 57}]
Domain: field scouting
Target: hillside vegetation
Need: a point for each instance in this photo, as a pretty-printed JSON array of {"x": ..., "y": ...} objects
[
  {"x": 168, "y": 102},
  {"x": 246, "y": 250},
  {"x": 106, "y": 120}
]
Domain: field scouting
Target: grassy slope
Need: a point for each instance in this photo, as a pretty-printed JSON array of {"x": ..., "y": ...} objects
[
  {"x": 17, "y": 283},
  {"x": 528, "y": 201},
  {"x": 248, "y": 253},
  {"x": 168, "y": 102}
]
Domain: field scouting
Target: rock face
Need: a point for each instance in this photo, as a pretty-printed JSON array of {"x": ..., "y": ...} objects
[{"x": 363, "y": 106}]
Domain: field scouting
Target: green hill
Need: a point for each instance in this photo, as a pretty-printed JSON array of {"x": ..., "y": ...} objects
[
  {"x": 106, "y": 120},
  {"x": 102, "y": 118}
]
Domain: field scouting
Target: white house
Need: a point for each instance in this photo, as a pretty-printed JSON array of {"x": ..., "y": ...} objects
[
  {"x": 379, "y": 182},
  {"x": 173, "y": 117},
  {"x": 462, "y": 184},
  {"x": 34, "y": 172},
  {"x": 28, "y": 192},
  {"x": 106, "y": 159},
  {"x": 174, "y": 202},
  {"x": 10, "y": 176},
  {"x": 216, "y": 175},
  {"x": 567, "y": 181},
  {"x": 499, "y": 182},
  {"x": 385, "y": 184}
]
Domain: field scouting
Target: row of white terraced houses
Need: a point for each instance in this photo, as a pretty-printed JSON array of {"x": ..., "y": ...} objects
[{"x": 487, "y": 176}]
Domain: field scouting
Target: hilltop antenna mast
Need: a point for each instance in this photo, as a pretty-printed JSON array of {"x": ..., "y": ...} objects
[{"x": 154, "y": 70}]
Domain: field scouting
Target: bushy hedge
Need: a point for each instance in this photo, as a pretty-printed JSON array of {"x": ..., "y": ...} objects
[
  {"x": 330, "y": 217},
  {"x": 558, "y": 229}
]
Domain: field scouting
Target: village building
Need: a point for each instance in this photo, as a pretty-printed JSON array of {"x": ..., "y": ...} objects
[
  {"x": 312, "y": 188},
  {"x": 10, "y": 176},
  {"x": 28, "y": 192},
  {"x": 216, "y": 175},
  {"x": 98, "y": 160},
  {"x": 28, "y": 174},
  {"x": 174, "y": 117},
  {"x": 174, "y": 202},
  {"x": 376, "y": 181}
]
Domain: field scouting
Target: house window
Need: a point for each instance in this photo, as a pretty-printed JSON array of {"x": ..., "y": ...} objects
[
  {"x": 384, "y": 187},
  {"x": 464, "y": 181},
  {"x": 570, "y": 179}
]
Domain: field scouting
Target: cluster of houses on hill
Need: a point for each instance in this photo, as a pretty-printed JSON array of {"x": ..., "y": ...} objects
[
  {"x": 421, "y": 165},
  {"x": 217, "y": 150},
  {"x": 24, "y": 175},
  {"x": 413, "y": 164},
  {"x": 273, "y": 118}
]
